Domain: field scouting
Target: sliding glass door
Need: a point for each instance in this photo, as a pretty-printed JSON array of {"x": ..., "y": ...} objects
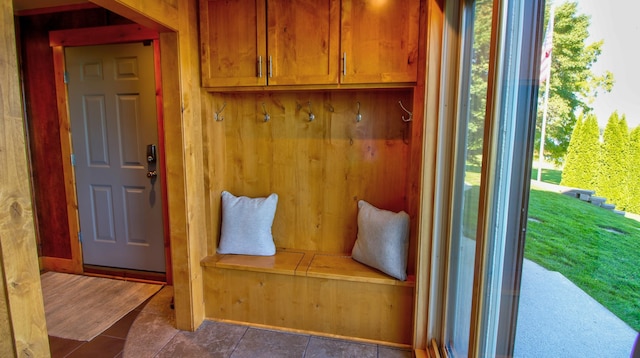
[{"x": 494, "y": 122}]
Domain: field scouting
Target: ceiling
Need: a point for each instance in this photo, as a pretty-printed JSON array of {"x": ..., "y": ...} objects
[{"x": 19, "y": 5}]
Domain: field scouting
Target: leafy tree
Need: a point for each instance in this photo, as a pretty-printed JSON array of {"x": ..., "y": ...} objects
[
  {"x": 634, "y": 172},
  {"x": 613, "y": 162},
  {"x": 479, "y": 75},
  {"x": 582, "y": 160},
  {"x": 573, "y": 85}
]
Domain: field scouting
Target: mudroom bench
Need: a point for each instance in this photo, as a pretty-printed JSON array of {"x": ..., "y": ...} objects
[{"x": 324, "y": 293}]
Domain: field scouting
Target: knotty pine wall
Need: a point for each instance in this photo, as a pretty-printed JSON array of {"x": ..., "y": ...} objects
[
  {"x": 319, "y": 169},
  {"x": 23, "y": 331}
]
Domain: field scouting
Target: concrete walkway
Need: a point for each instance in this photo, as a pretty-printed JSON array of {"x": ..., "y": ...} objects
[{"x": 558, "y": 319}]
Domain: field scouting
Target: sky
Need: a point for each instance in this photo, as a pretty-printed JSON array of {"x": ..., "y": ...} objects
[{"x": 616, "y": 22}]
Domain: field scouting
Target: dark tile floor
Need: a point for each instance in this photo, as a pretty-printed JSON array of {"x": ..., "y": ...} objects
[
  {"x": 153, "y": 335},
  {"x": 216, "y": 339},
  {"x": 109, "y": 344}
]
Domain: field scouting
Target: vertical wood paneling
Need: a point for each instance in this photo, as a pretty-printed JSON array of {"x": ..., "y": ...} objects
[
  {"x": 7, "y": 348},
  {"x": 194, "y": 160},
  {"x": 312, "y": 304},
  {"x": 319, "y": 168},
  {"x": 174, "y": 158},
  {"x": 21, "y": 291},
  {"x": 185, "y": 165}
]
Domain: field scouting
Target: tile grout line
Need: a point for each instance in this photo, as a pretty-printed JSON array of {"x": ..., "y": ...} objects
[
  {"x": 75, "y": 349},
  {"x": 246, "y": 329},
  {"x": 304, "y": 353},
  {"x": 165, "y": 345}
]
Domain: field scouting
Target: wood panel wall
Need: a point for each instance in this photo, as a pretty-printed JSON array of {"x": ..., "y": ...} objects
[
  {"x": 23, "y": 329},
  {"x": 42, "y": 121},
  {"x": 183, "y": 135},
  {"x": 183, "y": 143},
  {"x": 320, "y": 168}
]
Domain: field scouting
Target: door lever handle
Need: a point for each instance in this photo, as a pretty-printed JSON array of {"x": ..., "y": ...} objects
[{"x": 152, "y": 174}]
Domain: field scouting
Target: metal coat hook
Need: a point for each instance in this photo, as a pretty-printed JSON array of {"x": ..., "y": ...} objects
[
  {"x": 408, "y": 112},
  {"x": 330, "y": 107},
  {"x": 311, "y": 115},
  {"x": 217, "y": 115},
  {"x": 267, "y": 117},
  {"x": 358, "y": 116}
]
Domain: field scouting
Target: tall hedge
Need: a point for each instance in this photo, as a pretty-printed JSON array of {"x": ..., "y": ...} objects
[
  {"x": 582, "y": 161},
  {"x": 571, "y": 171},
  {"x": 633, "y": 183},
  {"x": 612, "y": 178}
]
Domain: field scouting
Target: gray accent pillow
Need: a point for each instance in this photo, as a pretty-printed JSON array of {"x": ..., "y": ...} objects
[
  {"x": 246, "y": 225},
  {"x": 383, "y": 240}
]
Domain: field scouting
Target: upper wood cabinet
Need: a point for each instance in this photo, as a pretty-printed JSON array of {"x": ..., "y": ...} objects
[
  {"x": 379, "y": 41},
  {"x": 308, "y": 42},
  {"x": 233, "y": 42},
  {"x": 303, "y": 41},
  {"x": 272, "y": 42}
]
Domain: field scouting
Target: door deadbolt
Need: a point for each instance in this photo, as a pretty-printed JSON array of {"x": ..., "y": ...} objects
[{"x": 151, "y": 153}]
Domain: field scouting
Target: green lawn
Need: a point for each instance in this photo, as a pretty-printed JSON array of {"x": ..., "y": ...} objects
[
  {"x": 597, "y": 250},
  {"x": 552, "y": 176}
]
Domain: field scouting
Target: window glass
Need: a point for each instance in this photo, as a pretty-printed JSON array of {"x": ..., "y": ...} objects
[{"x": 469, "y": 144}]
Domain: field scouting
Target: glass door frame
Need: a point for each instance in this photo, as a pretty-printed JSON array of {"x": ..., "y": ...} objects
[{"x": 506, "y": 168}]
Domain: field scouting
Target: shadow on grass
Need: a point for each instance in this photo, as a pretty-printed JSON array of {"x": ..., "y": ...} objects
[{"x": 552, "y": 176}]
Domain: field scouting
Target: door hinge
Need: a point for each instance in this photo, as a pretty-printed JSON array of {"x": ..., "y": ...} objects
[
  {"x": 65, "y": 77},
  {"x": 73, "y": 159},
  {"x": 80, "y": 236}
]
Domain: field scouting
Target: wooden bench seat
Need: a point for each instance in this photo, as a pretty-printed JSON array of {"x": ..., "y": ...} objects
[
  {"x": 330, "y": 294},
  {"x": 301, "y": 263}
]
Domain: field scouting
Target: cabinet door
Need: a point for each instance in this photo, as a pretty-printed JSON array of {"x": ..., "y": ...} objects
[
  {"x": 302, "y": 41},
  {"x": 380, "y": 41},
  {"x": 233, "y": 42}
]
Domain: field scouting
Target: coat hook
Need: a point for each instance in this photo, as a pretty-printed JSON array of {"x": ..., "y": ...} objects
[
  {"x": 408, "y": 112},
  {"x": 267, "y": 117},
  {"x": 358, "y": 116},
  {"x": 217, "y": 115},
  {"x": 311, "y": 115},
  {"x": 330, "y": 107}
]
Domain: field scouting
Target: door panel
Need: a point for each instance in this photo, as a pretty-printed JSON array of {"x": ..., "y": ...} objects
[
  {"x": 102, "y": 210},
  {"x": 95, "y": 123},
  {"x": 113, "y": 119}
]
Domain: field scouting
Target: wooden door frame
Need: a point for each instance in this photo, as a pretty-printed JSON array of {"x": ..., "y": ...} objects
[{"x": 103, "y": 35}]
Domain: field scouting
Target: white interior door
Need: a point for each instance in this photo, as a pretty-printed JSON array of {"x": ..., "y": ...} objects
[{"x": 112, "y": 106}]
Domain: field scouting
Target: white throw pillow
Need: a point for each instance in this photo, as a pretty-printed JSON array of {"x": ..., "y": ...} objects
[
  {"x": 383, "y": 240},
  {"x": 246, "y": 225}
]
